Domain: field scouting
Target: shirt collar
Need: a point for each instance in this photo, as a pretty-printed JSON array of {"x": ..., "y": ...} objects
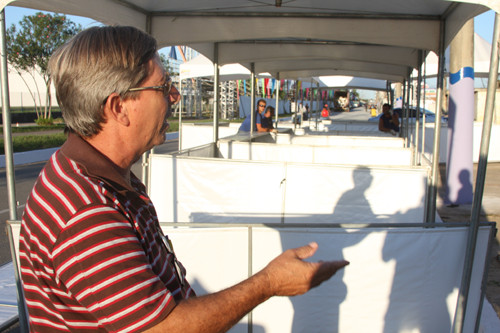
[{"x": 94, "y": 162}]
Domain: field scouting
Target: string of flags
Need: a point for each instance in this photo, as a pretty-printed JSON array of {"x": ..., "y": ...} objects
[{"x": 266, "y": 87}]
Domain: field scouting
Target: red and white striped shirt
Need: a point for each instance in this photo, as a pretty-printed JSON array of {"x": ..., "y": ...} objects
[{"x": 91, "y": 250}]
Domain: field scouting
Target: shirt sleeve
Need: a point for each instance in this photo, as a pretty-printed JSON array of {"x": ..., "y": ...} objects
[{"x": 99, "y": 259}]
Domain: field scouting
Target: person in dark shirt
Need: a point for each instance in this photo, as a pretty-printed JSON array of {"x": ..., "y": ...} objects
[
  {"x": 388, "y": 122},
  {"x": 267, "y": 119}
]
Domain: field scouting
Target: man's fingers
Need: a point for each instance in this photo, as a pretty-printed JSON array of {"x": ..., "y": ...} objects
[{"x": 306, "y": 251}]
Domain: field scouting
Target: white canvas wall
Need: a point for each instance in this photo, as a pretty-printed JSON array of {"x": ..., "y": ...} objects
[
  {"x": 337, "y": 140},
  {"x": 213, "y": 190},
  {"x": 354, "y": 155},
  {"x": 494, "y": 149},
  {"x": 194, "y": 135},
  {"x": 398, "y": 280}
]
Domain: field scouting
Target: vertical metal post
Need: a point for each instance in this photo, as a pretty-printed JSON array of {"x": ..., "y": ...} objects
[
  {"x": 9, "y": 167},
  {"x": 318, "y": 110},
  {"x": 180, "y": 113},
  {"x": 408, "y": 94},
  {"x": 250, "y": 272},
  {"x": 145, "y": 156},
  {"x": 480, "y": 178},
  {"x": 404, "y": 116},
  {"x": 424, "y": 115},
  {"x": 311, "y": 90},
  {"x": 216, "y": 93},
  {"x": 277, "y": 99},
  {"x": 252, "y": 98},
  {"x": 431, "y": 198},
  {"x": 416, "y": 160},
  {"x": 296, "y": 104},
  {"x": 7, "y": 132}
]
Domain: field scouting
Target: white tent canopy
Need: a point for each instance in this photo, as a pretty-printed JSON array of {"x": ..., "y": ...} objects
[
  {"x": 482, "y": 57},
  {"x": 344, "y": 30},
  {"x": 341, "y": 81},
  {"x": 201, "y": 66}
]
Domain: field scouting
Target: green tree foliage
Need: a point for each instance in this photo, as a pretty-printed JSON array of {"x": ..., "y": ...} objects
[
  {"x": 166, "y": 64},
  {"x": 30, "y": 45}
]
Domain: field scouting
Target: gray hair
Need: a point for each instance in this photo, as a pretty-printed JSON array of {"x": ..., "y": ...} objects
[{"x": 94, "y": 64}]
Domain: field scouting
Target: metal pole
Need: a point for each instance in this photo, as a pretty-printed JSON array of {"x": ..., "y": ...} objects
[
  {"x": 180, "y": 113},
  {"x": 417, "y": 121},
  {"x": 423, "y": 117},
  {"x": 216, "y": 93},
  {"x": 480, "y": 178},
  {"x": 408, "y": 94},
  {"x": 7, "y": 132},
  {"x": 309, "y": 115},
  {"x": 431, "y": 199},
  {"x": 9, "y": 167},
  {"x": 318, "y": 110},
  {"x": 277, "y": 99},
  {"x": 404, "y": 116},
  {"x": 252, "y": 98},
  {"x": 296, "y": 103}
]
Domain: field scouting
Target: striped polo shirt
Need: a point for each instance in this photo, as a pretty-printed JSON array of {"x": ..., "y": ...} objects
[{"x": 91, "y": 249}]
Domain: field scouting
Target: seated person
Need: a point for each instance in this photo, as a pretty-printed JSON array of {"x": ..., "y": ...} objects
[
  {"x": 388, "y": 122},
  {"x": 245, "y": 125},
  {"x": 267, "y": 120},
  {"x": 325, "y": 113}
]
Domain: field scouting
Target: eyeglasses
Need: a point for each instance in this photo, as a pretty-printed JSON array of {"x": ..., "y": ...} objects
[
  {"x": 262, "y": 106},
  {"x": 166, "y": 87}
]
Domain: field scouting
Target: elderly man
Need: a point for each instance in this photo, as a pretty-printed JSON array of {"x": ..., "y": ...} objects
[{"x": 93, "y": 256}]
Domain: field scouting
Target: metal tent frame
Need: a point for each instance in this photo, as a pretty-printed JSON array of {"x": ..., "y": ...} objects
[{"x": 334, "y": 40}]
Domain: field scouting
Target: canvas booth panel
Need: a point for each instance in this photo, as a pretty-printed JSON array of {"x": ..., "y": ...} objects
[
  {"x": 355, "y": 155},
  {"x": 327, "y": 194},
  {"x": 212, "y": 190},
  {"x": 428, "y": 136},
  {"x": 398, "y": 280},
  {"x": 194, "y": 135},
  {"x": 340, "y": 140}
]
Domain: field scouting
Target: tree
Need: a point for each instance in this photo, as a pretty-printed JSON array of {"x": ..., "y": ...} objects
[
  {"x": 29, "y": 49},
  {"x": 166, "y": 64}
]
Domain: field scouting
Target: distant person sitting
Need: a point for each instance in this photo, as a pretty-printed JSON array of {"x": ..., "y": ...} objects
[
  {"x": 267, "y": 119},
  {"x": 257, "y": 126},
  {"x": 325, "y": 113},
  {"x": 389, "y": 121}
]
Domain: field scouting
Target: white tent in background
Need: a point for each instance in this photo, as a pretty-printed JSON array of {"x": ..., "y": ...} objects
[
  {"x": 482, "y": 54},
  {"x": 201, "y": 66},
  {"x": 340, "y": 81}
]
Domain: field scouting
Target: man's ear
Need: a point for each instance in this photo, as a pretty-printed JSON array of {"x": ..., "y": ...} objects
[{"x": 116, "y": 110}]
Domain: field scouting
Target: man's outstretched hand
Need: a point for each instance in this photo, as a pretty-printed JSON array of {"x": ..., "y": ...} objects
[{"x": 290, "y": 275}]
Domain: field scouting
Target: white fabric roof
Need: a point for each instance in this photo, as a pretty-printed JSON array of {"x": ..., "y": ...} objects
[
  {"x": 340, "y": 81},
  {"x": 482, "y": 57},
  {"x": 369, "y": 38},
  {"x": 201, "y": 66}
]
